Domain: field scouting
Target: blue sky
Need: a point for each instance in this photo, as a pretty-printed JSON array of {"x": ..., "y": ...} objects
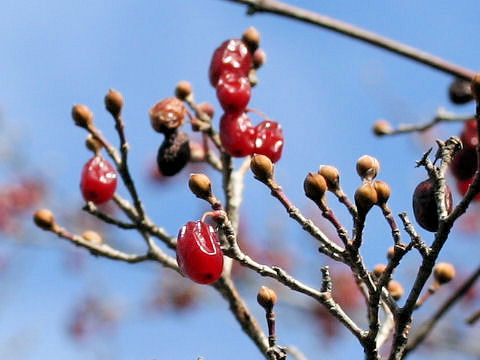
[{"x": 325, "y": 90}]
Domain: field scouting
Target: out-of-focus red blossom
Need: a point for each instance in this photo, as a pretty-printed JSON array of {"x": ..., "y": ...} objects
[
  {"x": 91, "y": 315},
  {"x": 174, "y": 295},
  {"x": 17, "y": 199}
]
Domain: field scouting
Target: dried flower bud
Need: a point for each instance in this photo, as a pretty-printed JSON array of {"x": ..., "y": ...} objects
[
  {"x": 174, "y": 153},
  {"x": 262, "y": 167},
  {"x": 390, "y": 252},
  {"x": 200, "y": 185},
  {"x": 331, "y": 175},
  {"x": 44, "y": 219},
  {"x": 382, "y": 127},
  {"x": 183, "y": 90},
  {"x": 114, "y": 102},
  {"x": 82, "y": 116},
  {"x": 395, "y": 289},
  {"x": 93, "y": 144},
  {"x": 315, "y": 186},
  {"x": 251, "y": 37},
  {"x": 379, "y": 269},
  {"x": 259, "y": 58},
  {"x": 93, "y": 237},
  {"x": 443, "y": 273},
  {"x": 167, "y": 115},
  {"x": 460, "y": 91},
  {"x": 475, "y": 87},
  {"x": 367, "y": 167},
  {"x": 267, "y": 298},
  {"x": 206, "y": 108},
  {"x": 383, "y": 191},
  {"x": 365, "y": 198}
]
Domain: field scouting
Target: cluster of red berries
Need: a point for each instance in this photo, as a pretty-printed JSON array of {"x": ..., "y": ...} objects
[
  {"x": 230, "y": 68},
  {"x": 464, "y": 164}
]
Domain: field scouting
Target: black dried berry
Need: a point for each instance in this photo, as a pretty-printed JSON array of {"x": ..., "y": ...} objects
[
  {"x": 174, "y": 153},
  {"x": 460, "y": 92}
]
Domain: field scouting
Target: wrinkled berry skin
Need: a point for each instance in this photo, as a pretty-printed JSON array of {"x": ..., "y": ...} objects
[
  {"x": 269, "y": 140},
  {"x": 174, "y": 153},
  {"x": 237, "y": 134},
  {"x": 232, "y": 57},
  {"x": 233, "y": 92},
  {"x": 425, "y": 207},
  {"x": 99, "y": 180},
  {"x": 199, "y": 255}
]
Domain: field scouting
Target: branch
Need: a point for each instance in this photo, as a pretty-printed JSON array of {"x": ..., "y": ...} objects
[{"x": 279, "y": 8}]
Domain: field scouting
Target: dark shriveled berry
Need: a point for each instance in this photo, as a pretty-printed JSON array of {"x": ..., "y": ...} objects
[
  {"x": 425, "y": 206},
  {"x": 460, "y": 92},
  {"x": 174, "y": 153}
]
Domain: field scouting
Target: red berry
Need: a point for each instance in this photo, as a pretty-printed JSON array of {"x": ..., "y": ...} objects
[
  {"x": 269, "y": 140},
  {"x": 99, "y": 180},
  {"x": 463, "y": 185},
  {"x": 237, "y": 134},
  {"x": 232, "y": 56},
  {"x": 233, "y": 92},
  {"x": 425, "y": 206},
  {"x": 199, "y": 255},
  {"x": 464, "y": 164},
  {"x": 469, "y": 134}
]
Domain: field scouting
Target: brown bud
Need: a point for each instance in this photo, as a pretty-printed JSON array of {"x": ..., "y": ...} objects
[
  {"x": 200, "y": 185},
  {"x": 267, "y": 298},
  {"x": 331, "y": 175},
  {"x": 183, "y": 90},
  {"x": 82, "y": 116},
  {"x": 315, "y": 186},
  {"x": 251, "y": 37},
  {"x": 367, "y": 167},
  {"x": 390, "y": 252},
  {"x": 259, "y": 58},
  {"x": 475, "y": 86},
  {"x": 93, "y": 237},
  {"x": 114, "y": 102},
  {"x": 44, "y": 219},
  {"x": 262, "y": 167},
  {"x": 93, "y": 144},
  {"x": 382, "y": 127},
  {"x": 395, "y": 289},
  {"x": 379, "y": 269},
  {"x": 167, "y": 115},
  {"x": 383, "y": 191},
  {"x": 365, "y": 198},
  {"x": 444, "y": 272}
]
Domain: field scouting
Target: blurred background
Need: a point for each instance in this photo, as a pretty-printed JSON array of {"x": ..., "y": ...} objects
[{"x": 325, "y": 90}]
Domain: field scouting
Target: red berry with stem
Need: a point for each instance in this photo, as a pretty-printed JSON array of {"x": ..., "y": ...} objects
[
  {"x": 199, "y": 255},
  {"x": 269, "y": 140},
  {"x": 425, "y": 206},
  {"x": 237, "y": 134},
  {"x": 233, "y": 92},
  {"x": 99, "y": 180},
  {"x": 233, "y": 57}
]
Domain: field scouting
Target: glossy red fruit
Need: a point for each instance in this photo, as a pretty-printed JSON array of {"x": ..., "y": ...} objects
[
  {"x": 99, "y": 180},
  {"x": 464, "y": 164},
  {"x": 233, "y": 92},
  {"x": 233, "y": 57},
  {"x": 199, "y": 255},
  {"x": 425, "y": 206},
  {"x": 269, "y": 140},
  {"x": 469, "y": 135},
  {"x": 237, "y": 134},
  {"x": 463, "y": 185}
]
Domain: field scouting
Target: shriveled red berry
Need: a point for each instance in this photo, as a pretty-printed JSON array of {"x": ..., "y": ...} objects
[
  {"x": 463, "y": 185},
  {"x": 199, "y": 255},
  {"x": 425, "y": 206},
  {"x": 464, "y": 164},
  {"x": 237, "y": 134},
  {"x": 269, "y": 140},
  {"x": 233, "y": 92},
  {"x": 99, "y": 180},
  {"x": 233, "y": 57}
]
